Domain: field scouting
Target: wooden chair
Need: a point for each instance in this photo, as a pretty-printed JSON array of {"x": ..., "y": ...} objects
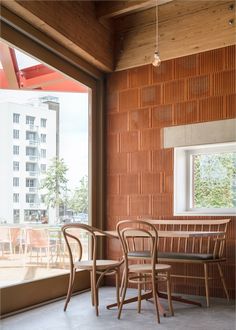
[
  {"x": 39, "y": 240},
  {"x": 139, "y": 241},
  {"x": 6, "y": 240},
  {"x": 80, "y": 233}
]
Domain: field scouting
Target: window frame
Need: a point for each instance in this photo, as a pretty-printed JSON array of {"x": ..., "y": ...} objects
[
  {"x": 17, "y": 32},
  {"x": 183, "y": 179}
]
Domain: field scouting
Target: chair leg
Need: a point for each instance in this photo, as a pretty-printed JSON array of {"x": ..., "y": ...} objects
[
  {"x": 154, "y": 292},
  {"x": 95, "y": 291},
  {"x": 117, "y": 287},
  {"x": 70, "y": 288},
  {"x": 169, "y": 294},
  {"x": 139, "y": 296},
  {"x": 92, "y": 288},
  {"x": 125, "y": 283},
  {"x": 223, "y": 281},
  {"x": 206, "y": 284}
]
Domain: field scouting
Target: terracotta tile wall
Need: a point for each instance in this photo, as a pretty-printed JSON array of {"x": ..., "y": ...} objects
[{"x": 140, "y": 102}]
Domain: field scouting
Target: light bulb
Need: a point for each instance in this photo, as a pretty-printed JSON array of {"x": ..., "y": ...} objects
[{"x": 156, "y": 60}]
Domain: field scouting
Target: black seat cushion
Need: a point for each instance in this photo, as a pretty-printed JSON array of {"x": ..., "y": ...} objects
[
  {"x": 173, "y": 255},
  {"x": 186, "y": 256}
]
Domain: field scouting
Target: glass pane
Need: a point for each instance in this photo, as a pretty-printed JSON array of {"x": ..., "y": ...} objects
[
  {"x": 214, "y": 180},
  {"x": 44, "y": 171}
]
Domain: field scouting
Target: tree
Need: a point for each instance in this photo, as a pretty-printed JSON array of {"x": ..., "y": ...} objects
[
  {"x": 79, "y": 200},
  {"x": 55, "y": 182},
  {"x": 214, "y": 180}
]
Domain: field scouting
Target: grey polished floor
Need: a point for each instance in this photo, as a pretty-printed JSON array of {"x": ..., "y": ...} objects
[{"x": 80, "y": 315}]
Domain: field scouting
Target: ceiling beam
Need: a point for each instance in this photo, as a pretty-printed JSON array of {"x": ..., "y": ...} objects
[
  {"x": 109, "y": 9},
  {"x": 8, "y": 66},
  {"x": 72, "y": 24}
]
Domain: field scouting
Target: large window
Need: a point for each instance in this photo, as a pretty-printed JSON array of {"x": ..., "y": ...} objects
[
  {"x": 205, "y": 179},
  {"x": 77, "y": 103}
]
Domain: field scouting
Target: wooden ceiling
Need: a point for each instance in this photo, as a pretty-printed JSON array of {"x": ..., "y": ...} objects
[{"x": 116, "y": 35}]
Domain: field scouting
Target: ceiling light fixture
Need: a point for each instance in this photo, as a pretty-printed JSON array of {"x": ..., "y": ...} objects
[{"x": 156, "y": 60}]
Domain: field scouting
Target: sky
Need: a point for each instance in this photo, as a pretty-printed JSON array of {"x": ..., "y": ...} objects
[{"x": 73, "y": 128}]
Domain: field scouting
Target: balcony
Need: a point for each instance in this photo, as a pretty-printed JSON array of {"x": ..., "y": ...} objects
[
  {"x": 33, "y": 205},
  {"x": 33, "y": 142},
  {"x": 33, "y": 158},
  {"x": 32, "y": 173},
  {"x": 31, "y": 127},
  {"x": 32, "y": 189}
]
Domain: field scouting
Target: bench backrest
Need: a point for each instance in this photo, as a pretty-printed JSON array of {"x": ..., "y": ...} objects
[{"x": 210, "y": 244}]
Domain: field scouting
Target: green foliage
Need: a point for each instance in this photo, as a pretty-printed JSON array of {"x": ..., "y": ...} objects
[
  {"x": 55, "y": 182},
  {"x": 79, "y": 201},
  {"x": 214, "y": 179}
]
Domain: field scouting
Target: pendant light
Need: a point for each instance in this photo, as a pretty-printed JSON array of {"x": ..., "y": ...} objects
[{"x": 156, "y": 61}]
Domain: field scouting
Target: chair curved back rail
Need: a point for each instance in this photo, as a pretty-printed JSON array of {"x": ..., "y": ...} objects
[{"x": 80, "y": 234}]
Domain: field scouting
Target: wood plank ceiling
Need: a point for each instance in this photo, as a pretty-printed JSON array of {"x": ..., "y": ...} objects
[{"x": 116, "y": 35}]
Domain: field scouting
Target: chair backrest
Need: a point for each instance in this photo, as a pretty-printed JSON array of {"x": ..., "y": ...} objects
[
  {"x": 5, "y": 234},
  {"x": 211, "y": 244},
  {"x": 38, "y": 238},
  {"x": 139, "y": 239},
  {"x": 80, "y": 234}
]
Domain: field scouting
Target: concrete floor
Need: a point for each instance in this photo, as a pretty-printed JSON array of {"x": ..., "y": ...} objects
[{"x": 80, "y": 315}]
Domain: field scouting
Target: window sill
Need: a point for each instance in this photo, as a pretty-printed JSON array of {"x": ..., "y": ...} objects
[{"x": 194, "y": 213}]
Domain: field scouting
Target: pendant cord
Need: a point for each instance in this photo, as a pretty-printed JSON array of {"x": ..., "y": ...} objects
[{"x": 157, "y": 26}]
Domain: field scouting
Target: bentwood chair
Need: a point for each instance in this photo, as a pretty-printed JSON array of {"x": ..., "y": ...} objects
[
  {"x": 139, "y": 241},
  {"x": 38, "y": 239},
  {"x": 80, "y": 234}
]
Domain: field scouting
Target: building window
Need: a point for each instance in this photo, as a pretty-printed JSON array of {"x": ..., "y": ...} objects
[
  {"x": 30, "y": 198},
  {"x": 43, "y": 153},
  {"x": 43, "y": 168},
  {"x": 205, "y": 179},
  {"x": 15, "y": 198},
  {"x": 29, "y": 120},
  {"x": 16, "y": 166},
  {"x": 30, "y": 136},
  {"x": 30, "y": 167},
  {"x": 30, "y": 151},
  {"x": 43, "y": 138},
  {"x": 16, "y": 134},
  {"x": 30, "y": 183},
  {"x": 16, "y": 182},
  {"x": 16, "y": 118},
  {"x": 43, "y": 122},
  {"x": 16, "y": 216},
  {"x": 16, "y": 150}
]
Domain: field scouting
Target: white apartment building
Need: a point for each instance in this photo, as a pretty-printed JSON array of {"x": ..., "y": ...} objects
[{"x": 28, "y": 141}]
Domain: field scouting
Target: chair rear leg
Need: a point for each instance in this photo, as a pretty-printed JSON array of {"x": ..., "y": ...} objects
[
  {"x": 154, "y": 292},
  {"x": 206, "y": 284},
  {"x": 169, "y": 294},
  {"x": 92, "y": 288},
  {"x": 70, "y": 288},
  {"x": 117, "y": 287},
  {"x": 139, "y": 296},
  {"x": 125, "y": 285},
  {"x": 223, "y": 281}
]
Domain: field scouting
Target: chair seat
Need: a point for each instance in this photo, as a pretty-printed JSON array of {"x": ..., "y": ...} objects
[
  {"x": 100, "y": 264},
  {"x": 147, "y": 268}
]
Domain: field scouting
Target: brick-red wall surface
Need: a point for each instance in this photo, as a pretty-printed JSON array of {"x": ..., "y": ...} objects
[{"x": 139, "y": 173}]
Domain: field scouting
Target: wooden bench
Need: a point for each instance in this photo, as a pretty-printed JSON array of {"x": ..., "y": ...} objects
[{"x": 202, "y": 249}]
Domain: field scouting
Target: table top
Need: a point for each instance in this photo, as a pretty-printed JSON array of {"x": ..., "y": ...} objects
[{"x": 166, "y": 233}]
